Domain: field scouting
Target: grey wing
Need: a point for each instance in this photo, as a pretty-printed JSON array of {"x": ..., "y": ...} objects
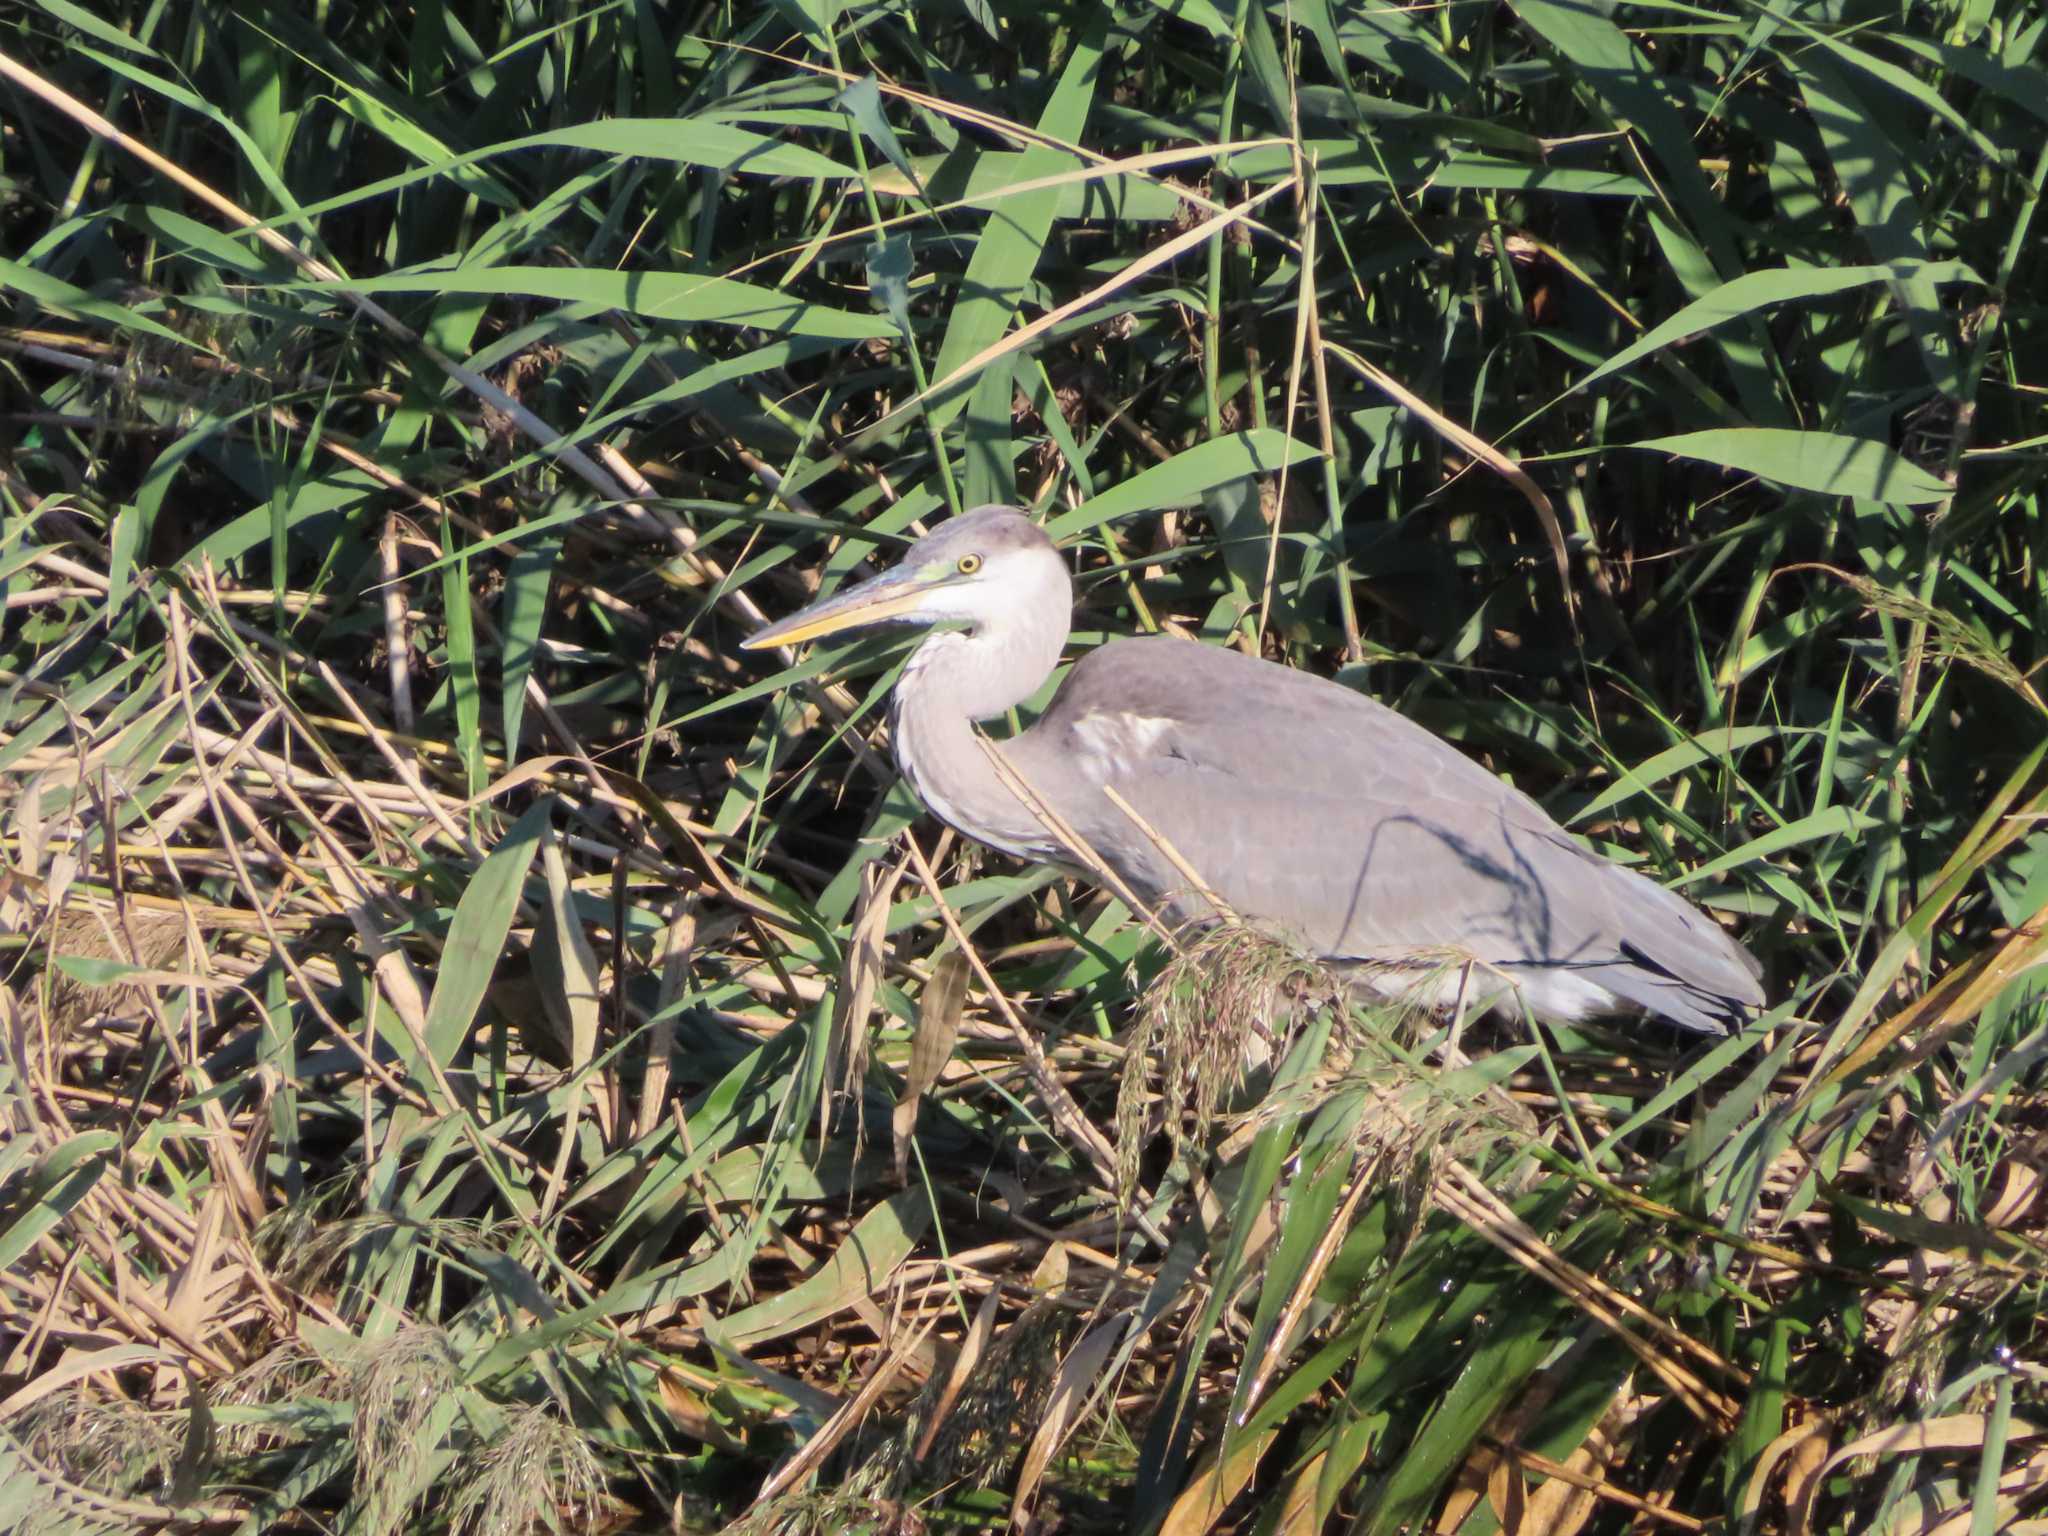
[{"x": 1304, "y": 803}]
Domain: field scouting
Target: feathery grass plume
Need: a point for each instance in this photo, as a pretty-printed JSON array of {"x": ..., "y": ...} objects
[
  {"x": 112, "y": 1447},
  {"x": 992, "y": 1420},
  {"x": 39, "y": 1499},
  {"x": 308, "y": 1249},
  {"x": 278, "y": 1380},
  {"x": 1962, "y": 1318},
  {"x": 140, "y": 937},
  {"x": 1225, "y": 1004},
  {"x": 1412, "y": 1119},
  {"x": 539, "y": 1474},
  {"x": 1949, "y": 636},
  {"x": 395, "y": 1388},
  {"x": 862, "y": 1504}
]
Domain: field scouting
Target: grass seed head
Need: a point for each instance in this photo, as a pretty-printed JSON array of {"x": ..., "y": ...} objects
[
  {"x": 860, "y": 1505},
  {"x": 998, "y": 1410},
  {"x": 1223, "y": 1006},
  {"x": 111, "y": 1446},
  {"x": 279, "y": 1380},
  {"x": 396, "y": 1388},
  {"x": 149, "y": 939},
  {"x": 539, "y": 1475}
]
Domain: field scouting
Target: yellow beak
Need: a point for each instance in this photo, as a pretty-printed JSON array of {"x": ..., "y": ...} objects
[{"x": 892, "y": 595}]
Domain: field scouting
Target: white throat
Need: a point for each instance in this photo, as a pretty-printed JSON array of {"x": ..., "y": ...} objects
[{"x": 952, "y": 680}]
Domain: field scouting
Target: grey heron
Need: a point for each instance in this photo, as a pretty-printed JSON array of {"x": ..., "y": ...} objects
[{"x": 1202, "y": 776}]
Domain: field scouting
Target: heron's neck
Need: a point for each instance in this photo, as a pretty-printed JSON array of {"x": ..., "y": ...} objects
[{"x": 953, "y": 680}]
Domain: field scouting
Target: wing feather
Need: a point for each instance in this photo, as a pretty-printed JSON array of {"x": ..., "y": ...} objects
[{"x": 1304, "y": 803}]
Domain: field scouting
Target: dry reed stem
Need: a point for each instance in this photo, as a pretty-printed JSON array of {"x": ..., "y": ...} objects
[
  {"x": 1470, "y": 442},
  {"x": 1600, "y": 1488},
  {"x": 397, "y": 633},
  {"x": 848, "y": 1418},
  {"x": 1096, "y": 866},
  {"x": 1065, "y": 1112},
  {"x": 1173, "y": 856},
  {"x": 1024, "y": 335},
  {"x": 1491, "y": 1219}
]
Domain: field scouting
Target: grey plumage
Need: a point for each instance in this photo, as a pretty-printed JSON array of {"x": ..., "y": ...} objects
[{"x": 1298, "y": 802}]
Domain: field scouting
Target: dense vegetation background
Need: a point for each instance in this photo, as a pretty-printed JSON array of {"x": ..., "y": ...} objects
[{"x": 481, "y": 1054}]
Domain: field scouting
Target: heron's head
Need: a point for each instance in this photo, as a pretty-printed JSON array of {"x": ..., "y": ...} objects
[{"x": 991, "y": 569}]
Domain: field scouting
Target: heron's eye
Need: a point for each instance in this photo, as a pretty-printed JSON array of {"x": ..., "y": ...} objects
[{"x": 969, "y": 564}]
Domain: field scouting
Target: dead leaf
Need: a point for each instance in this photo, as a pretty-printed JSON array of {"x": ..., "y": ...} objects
[
  {"x": 1215, "y": 1484},
  {"x": 1953, "y": 1432},
  {"x": 694, "y": 1416},
  {"x": 1506, "y": 1495},
  {"x": 972, "y": 1348},
  {"x": 938, "y": 1027},
  {"x": 1070, "y": 1391}
]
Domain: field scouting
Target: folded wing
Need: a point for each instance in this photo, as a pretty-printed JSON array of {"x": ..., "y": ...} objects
[{"x": 1303, "y": 803}]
